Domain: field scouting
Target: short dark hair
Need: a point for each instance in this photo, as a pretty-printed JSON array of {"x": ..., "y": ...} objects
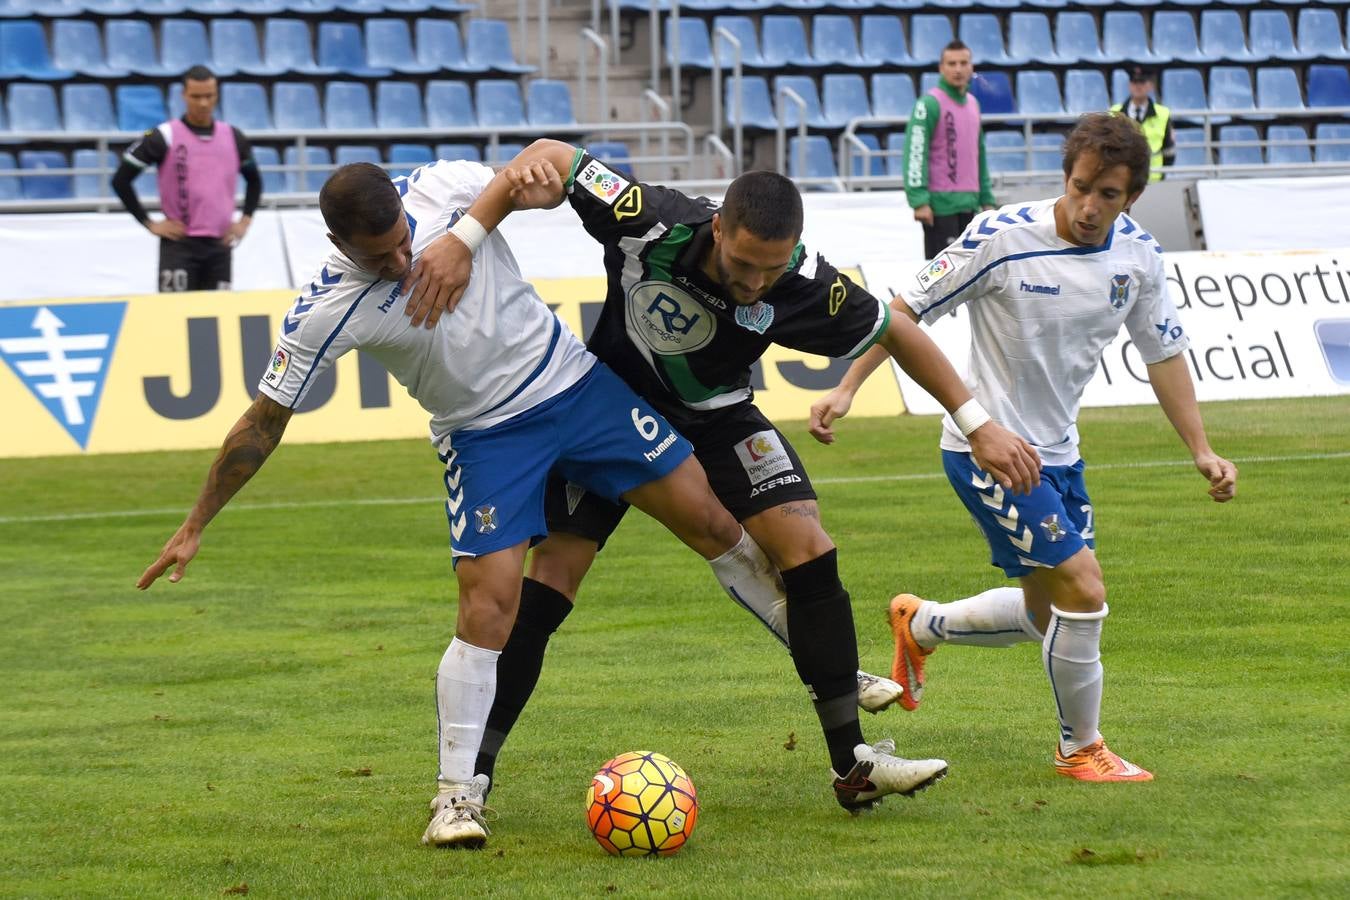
[
  {"x": 953, "y": 44},
  {"x": 198, "y": 73},
  {"x": 359, "y": 198},
  {"x": 766, "y": 204},
  {"x": 1116, "y": 140}
]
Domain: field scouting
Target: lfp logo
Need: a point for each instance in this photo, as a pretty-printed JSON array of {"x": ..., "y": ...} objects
[{"x": 61, "y": 354}]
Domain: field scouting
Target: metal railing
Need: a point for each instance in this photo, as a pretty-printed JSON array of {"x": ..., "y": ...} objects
[{"x": 592, "y": 38}]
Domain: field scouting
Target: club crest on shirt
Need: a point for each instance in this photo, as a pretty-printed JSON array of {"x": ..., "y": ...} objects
[
  {"x": 600, "y": 181},
  {"x": 936, "y": 269},
  {"x": 756, "y": 317},
  {"x": 1054, "y": 532},
  {"x": 485, "y": 519},
  {"x": 1120, "y": 291}
]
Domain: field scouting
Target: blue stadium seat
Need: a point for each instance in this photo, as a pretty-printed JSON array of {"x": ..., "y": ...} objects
[
  {"x": 23, "y": 53},
  {"x": 87, "y": 107},
  {"x": 319, "y": 165},
  {"x": 489, "y": 44},
  {"x": 295, "y": 106},
  {"x": 183, "y": 45},
  {"x": 1005, "y": 151},
  {"x": 1047, "y": 153},
  {"x": 1029, "y": 38},
  {"x": 835, "y": 43},
  {"x": 139, "y": 106},
  {"x": 1271, "y": 37},
  {"x": 45, "y": 187},
  {"x": 499, "y": 103},
  {"x": 784, "y": 43},
  {"x": 1190, "y": 147},
  {"x": 874, "y": 167},
  {"x": 695, "y": 48},
  {"x": 131, "y": 47},
  {"x": 1085, "y": 92},
  {"x": 459, "y": 151},
  {"x": 1319, "y": 34},
  {"x": 928, "y": 34},
  {"x": 439, "y": 44},
  {"x": 743, "y": 29},
  {"x": 994, "y": 91},
  {"x": 548, "y": 103},
  {"x": 1328, "y": 149},
  {"x": 751, "y": 103},
  {"x": 235, "y": 48},
  {"x": 1184, "y": 89},
  {"x": 1278, "y": 88},
  {"x": 273, "y": 182},
  {"x": 892, "y": 94},
  {"x": 895, "y": 144},
  {"x": 10, "y": 189},
  {"x": 803, "y": 86},
  {"x": 97, "y": 184},
  {"x": 286, "y": 46},
  {"x": 1328, "y": 86},
  {"x": 1124, "y": 38},
  {"x": 927, "y": 81},
  {"x": 1037, "y": 93},
  {"x": 883, "y": 42},
  {"x": 503, "y": 153},
  {"x": 212, "y": 8},
  {"x": 614, "y": 154},
  {"x": 844, "y": 97},
  {"x": 1297, "y": 150},
  {"x": 1230, "y": 155},
  {"x": 346, "y": 105},
  {"x": 1230, "y": 87},
  {"x": 260, "y": 7},
  {"x": 389, "y": 46},
  {"x": 245, "y": 104},
  {"x": 1222, "y": 37},
  {"x": 403, "y": 158},
  {"x": 982, "y": 33},
  {"x": 342, "y": 48},
  {"x": 1077, "y": 41},
  {"x": 1174, "y": 37},
  {"x": 398, "y": 104},
  {"x": 32, "y": 107},
  {"x": 449, "y": 105},
  {"x": 4, "y": 124},
  {"x": 815, "y": 159},
  {"x": 77, "y": 45}
]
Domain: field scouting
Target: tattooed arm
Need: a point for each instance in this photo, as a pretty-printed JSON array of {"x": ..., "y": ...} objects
[{"x": 246, "y": 448}]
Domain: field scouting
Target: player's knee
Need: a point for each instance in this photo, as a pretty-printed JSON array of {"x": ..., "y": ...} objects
[{"x": 561, "y": 562}]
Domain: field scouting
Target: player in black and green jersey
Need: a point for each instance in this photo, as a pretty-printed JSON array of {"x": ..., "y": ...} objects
[{"x": 696, "y": 294}]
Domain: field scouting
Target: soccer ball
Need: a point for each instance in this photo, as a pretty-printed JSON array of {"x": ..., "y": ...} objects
[{"x": 641, "y": 804}]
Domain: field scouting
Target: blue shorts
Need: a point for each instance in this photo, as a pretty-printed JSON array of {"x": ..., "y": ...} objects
[
  {"x": 1025, "y": 532},
  {"x": 597, "y": 433}
]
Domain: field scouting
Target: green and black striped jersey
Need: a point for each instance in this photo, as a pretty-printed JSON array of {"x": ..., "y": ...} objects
[{"x": 671, "y": 332}]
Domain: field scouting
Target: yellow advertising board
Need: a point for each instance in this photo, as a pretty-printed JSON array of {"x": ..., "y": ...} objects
[{"x": 174, "y": 371}]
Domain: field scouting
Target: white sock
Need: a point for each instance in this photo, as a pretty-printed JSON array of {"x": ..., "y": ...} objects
[
  {"x": 996, "y": 618},
  {"x": 1073, "y": 660},
  {"x": 466, "y": 684},
  {"x": 750, "y": 579}
]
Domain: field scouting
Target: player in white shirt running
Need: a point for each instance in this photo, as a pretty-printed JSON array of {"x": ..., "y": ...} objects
[
  {"x": 511, "y": 393},
  {"x": 1047, "y": 286}
]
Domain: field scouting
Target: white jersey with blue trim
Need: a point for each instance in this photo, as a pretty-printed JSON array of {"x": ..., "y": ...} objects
[
  {"x": 500, "y": 353},
  {"x": 1042, "y": 310}
]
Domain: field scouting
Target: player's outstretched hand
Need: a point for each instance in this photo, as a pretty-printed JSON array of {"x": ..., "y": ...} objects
[
  {"x": 536, "y": 185},
  {"x": 1011, "y": 460},
  {"x": 1222, "y": 476},
  {"x": 438, "y": 280},
  {"x": 177, "y": 553},
  {"x": 834, "y": 405}
]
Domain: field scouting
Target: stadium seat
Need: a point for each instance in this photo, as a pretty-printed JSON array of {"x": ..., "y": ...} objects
[
  {"x": 982, "y": 33},
  {"x": 784, "y": 43},
  {"x": 803, "y": 86},
  {"x": 1124, "y": 38},
  {"x": 1230, "y": 155},
  {"x": 1085, "y": 92},
  {"x": 32, "y": 107},
  {"x": 835, "y": 43},
  {"x": 844, "y": 97},
  {"x": 131, "y": 48},
  {"x": 695, "y": 47},
  {"x": 459, "y": 151},
  {"x": 614, "y": 154},
  {"x": 403, "y": 158},
  {"x": 286, "y": 47},
  {"x": 439, "y": 44},
  {"x": 77, "y": 45},
  {"x": 1230, "y": 87},
  {"x": 548, "y": 103},
  {"x": 895, "y": 146},
  {"x": 1222, "y": 37},
  {"x": 814, "y": 159},
  {"x": 267, "y": 158},
  {"x": 1029, "y": 39},
  {"x": 1278, "y": 88},
  {"x": 1288, "y": 145},
  {"x": 140, "y": 107},
  {"x": 1333, "y": 142},
  {"x": 871, "y": 167},
  {"x": 1077, "y": 41},
  {"x": 44, "y": 187},
  {"x": 502, "y": 154},
  {"x": 346, "y": 154},
  {"x": 1319, "y": 34},
  {"x": 1184, "y": 89},
  {"x": 235, "y": 48},
  {"x": 1037, "y": 93},
  {"x": 1271, "y": 37},
  {"x": 23, "y": 54},
  {"x": 389, "y": 46},
  {"x": 1005, "y": 151},
  {"x": 449, "y": 105},
  {"x": 883, "y": 42},
  {"x": 318, "y": 163},
  {"x": 245, "y": 104},
  {"x": 499, "y": 103},
  {"x": 343, "y": 49},
  {"x": 928, "y": 34},
  {"x": 87, "y": 107},
  {"x": 892, "y": 94},
  {"x": 994, "y": 91},
  {"x": 295, "y": 106},
  {"x": 1328, "y": 86},
  {"x": 1174, "y": 37},
  {"x": 751, "y": 104},
  {"x": 183, "y": 44},
  {"x": 489, "y": 45},
  {"x": 1190, "y": 147},
  {"x": 1047, "y": 153},
  {"x": 398, "y": 104},
  {"x": 95, "y": 184},
  {"x": 10, "y": 189},
  {"x": 346, "y": 106},
  {"x": 743, "y": 29}
]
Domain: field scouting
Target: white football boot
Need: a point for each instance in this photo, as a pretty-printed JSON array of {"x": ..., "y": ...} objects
[
  {"x": 876, "y": 693},
  {"x": 879, "y": 772},
  {"x": 458, "y": 815}
]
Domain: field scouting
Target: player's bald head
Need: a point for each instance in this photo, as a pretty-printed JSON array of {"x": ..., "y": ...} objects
[
  {"x": 766, "y": 204},
  {"x": 359, "y": 199}
]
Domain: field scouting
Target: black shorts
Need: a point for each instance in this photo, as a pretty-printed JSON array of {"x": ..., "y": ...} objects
[
  {"x": 750, "y": 464},
  {"x": 943, "y": 232},
  {"x": 194, "y": 264}
]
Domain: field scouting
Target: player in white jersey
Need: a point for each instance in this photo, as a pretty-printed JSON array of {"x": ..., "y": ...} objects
[
  {"x": 1047, "y": 286},
  {"x": 511, "y": 393}
]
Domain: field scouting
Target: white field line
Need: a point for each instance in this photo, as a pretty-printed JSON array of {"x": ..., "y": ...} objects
[{"x": 405, "y": 501}]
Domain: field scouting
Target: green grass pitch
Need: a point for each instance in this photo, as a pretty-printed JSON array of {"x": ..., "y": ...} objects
[{"x": 270, "y": 721}]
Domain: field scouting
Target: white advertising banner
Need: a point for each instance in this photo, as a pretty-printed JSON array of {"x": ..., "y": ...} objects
[
  {"x": 1260, "y": 325},
  {"x": 1274, "y": 213}
]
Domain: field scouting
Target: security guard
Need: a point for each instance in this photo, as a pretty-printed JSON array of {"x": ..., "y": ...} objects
[{"x": 1153, "y": 119}]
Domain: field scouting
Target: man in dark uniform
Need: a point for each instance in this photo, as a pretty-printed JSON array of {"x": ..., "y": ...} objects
[{"x": 199, "y": 159}]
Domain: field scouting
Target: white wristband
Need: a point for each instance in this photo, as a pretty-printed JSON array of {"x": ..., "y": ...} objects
[
  {"x": 470, "y": 231},
  {"x": 969, "y": 416}
]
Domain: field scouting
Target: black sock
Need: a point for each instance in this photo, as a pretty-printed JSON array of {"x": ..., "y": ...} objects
[
  {"x": 542, "y": 610},
  {"x": 825, "y": 651}
]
